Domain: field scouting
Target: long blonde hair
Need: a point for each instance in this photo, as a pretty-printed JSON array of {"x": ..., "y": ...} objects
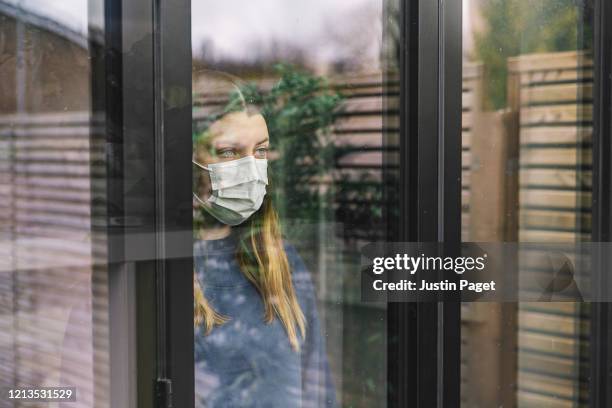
[{"x": 262, "y": 259}]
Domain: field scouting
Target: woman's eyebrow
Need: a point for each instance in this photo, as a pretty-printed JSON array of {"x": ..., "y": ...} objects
[
  {"x": 267, "y": 139},
  {"x": 225, "y": 143}
]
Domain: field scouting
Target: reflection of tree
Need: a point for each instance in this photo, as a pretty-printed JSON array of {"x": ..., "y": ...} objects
[
  {"x": 299, "y": 110},
  {"x": 516, "y": 27},
  {"x": 391, "y": 35}
]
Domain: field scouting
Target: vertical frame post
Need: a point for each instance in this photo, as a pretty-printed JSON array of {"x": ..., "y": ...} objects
[
  {"x": 174, "y": 223},
  {"x": 424, "y": 338},
  {"x": 601, "y": 315},
  {"x": 146, "y": 97},
  {"x": 450, "y": 108}
]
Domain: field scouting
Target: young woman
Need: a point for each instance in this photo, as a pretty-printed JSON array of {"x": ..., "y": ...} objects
[{"x": 257, "y": 340}]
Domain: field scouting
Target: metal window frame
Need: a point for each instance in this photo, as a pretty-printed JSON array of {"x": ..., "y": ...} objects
[
  {"x": 173, "y": 152},
  {"x": 424, "y": 338},
  {"x": 146, "y": 97}
]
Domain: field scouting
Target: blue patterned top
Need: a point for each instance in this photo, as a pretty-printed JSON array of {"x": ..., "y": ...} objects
[{"x": 247, "y": 362}]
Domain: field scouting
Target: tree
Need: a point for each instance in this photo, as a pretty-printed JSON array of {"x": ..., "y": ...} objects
[{"x": 515, "y": 27}]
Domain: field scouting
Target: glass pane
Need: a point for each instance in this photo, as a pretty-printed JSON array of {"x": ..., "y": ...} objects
[
  {"x": 318, "y": 101},
  {"x": 527, "y": 126},
  {"x": 53, "y": 290}
]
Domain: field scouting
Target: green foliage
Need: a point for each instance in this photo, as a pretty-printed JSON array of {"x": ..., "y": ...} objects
[
  {"x": 515, "y": 27},
  {"x": 299, "y": 111}
]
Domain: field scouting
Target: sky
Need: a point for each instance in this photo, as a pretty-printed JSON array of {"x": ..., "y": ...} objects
[
  {"x": 322, "y": 28},
  {"x": 70, "y": 13}
]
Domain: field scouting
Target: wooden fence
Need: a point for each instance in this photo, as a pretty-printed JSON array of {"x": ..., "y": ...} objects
[
  {"x": 471, "y": 97},
  {"x": 545, "y": 136},
  {"x": 555, "y": 105},
  {"x": 489, "y": 194}
]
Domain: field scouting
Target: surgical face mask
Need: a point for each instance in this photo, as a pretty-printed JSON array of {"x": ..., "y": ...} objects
[{"x": 238, "y": 189}]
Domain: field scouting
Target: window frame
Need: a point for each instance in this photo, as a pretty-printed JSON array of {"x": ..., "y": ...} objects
[
  {"x": 424, "y": 354},
  {"x": 146, "y": 99},
  {"x": 601, "y": 312}
]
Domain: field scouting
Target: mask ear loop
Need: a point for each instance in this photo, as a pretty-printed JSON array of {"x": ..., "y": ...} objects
[
  {"x": 199, "y": 200},
  {"x": 200, "y": 166}
]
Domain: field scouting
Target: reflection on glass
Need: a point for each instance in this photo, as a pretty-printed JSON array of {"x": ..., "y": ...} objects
[
  {"x": 527, "y": 95},
  {"x": 321, "y": 92},
  {"x": 53, "y": 298}
]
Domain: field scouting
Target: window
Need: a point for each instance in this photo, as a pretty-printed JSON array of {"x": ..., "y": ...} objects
[{"x": 187, "y": 187}]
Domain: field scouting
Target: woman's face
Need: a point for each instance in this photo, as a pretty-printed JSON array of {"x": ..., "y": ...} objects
[{"x": 234, "y": 136}]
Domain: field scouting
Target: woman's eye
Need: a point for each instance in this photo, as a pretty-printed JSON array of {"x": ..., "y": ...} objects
[
  {"x": 261, "y": 152},
  {"x": 226, "y": 154}
]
